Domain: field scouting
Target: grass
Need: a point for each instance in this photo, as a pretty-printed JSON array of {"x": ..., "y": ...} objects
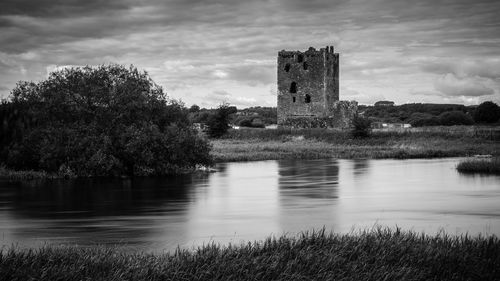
[
  {"x": 379, "y": 254},
  {"x": 482, "y": 166},
  {"x": 257, "y": 144},
  {"x": 9, "y": 174}
]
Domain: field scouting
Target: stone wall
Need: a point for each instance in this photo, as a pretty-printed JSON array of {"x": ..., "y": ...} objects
[
  {"x": 307, "y": 83},
  {"x": 343, "y": 112},
  {"x": 341, "y": 118},
  {"x": 308, "y": 89}
]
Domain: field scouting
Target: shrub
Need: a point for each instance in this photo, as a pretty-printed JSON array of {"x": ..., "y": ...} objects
[
  {"x": 247, "y": 122},
  {"x": 218, "y": 123},
  {"x": 102, "y": 121},
  {"x": 419, "y": 119},
  {"x": 361, "y": 127},
  {"x": 257, "y": 123},
  {"x": 487, "y": 112},
  {"x": 451, "y": 118},
  {"x": 251, "y": 123}
]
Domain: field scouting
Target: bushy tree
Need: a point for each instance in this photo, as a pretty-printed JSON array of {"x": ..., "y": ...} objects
[
  {"x": 258, "y": 123},
  {"x": 419, "y": 119},
  {"x": 251, "y": 122},
  {"x": 194, "y": 108},
  {"x": 218, "y": 123},
  {"x": 361, "y": 127},
  {"x": 456, "y": 117},
  {"x": 487, "y": 112},
  {"x": 100, "y": 121},
  {"x": 245, "y": 122}
]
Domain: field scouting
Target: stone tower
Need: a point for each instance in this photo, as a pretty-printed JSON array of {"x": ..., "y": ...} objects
[{"x": 308, "y": 89}]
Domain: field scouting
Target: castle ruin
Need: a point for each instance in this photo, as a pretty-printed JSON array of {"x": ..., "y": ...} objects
[{"x": 308, "y": 90}]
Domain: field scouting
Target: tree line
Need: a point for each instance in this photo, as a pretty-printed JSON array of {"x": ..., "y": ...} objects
[{"x": 422, "y": 114}]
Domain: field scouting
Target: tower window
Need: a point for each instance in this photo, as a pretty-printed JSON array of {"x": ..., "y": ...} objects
[
  {"x": 305, "y": 66},
  {"x": 293, "y": 99},
  {"x": 293, "y": 88},
  {"x": 300, "y": 58},
  {"x": 308, "y": 98},
  {"x": 287, "y": 67}
]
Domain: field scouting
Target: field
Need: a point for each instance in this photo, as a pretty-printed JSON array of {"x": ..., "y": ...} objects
[
  {"x": 379, "y": 254},
  {"x": 432, "y": 142}
]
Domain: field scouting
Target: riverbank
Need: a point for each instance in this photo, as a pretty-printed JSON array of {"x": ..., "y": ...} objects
[
  {"x": 380, "y": 254},
  {"x": 432, "y": 142},
  {"x": 275, "y": 144},
  {"x": 14, "y": 175}
]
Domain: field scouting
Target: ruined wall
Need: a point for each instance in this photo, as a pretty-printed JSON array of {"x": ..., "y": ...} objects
[
  {"x": 343, "y": 112},
  {"x": 341, "y": 117},
  {"x": 308, "y": 88}
]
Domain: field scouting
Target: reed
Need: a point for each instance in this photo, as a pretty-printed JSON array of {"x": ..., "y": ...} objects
[
  {"x": 13, "y": 175},
  {"x": 378, "y": 254},
  {"x": 479, "y": 165}
]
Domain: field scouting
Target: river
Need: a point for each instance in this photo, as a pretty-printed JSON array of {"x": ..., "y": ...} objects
[{"x": 249, "y": 201}]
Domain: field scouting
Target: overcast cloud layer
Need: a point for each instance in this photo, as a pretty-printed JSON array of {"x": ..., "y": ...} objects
[{"x": 207, "y": 52}]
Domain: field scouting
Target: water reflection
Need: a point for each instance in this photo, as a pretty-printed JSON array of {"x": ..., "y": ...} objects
[
  {"x": 309, "y": 179},
  {"x": 97, "y": 211},
  {"x": 61, "y": 199},
  {"x": 361, "y": 167},
  {"x": 308, "y": 193},
  {"x": 248, "y": 201}
]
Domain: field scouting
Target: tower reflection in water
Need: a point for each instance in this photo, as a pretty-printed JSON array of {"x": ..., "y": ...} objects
[{"x": 308, "y": 194}]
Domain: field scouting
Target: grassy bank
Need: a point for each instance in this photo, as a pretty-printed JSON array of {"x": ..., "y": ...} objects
[
  {"x": 255, "y": 144},
  {"x": 482, "y": 166},
  {"x": 9, "y": 174},
  {"x": 375, "y": 255}
]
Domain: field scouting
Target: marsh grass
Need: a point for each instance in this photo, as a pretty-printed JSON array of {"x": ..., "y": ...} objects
[
  {"x": 259, "y": 144},
  {"x": 9, "y": 174},
  {"x": 379, "y": 254},
  {"x": 481, "y": 166}
]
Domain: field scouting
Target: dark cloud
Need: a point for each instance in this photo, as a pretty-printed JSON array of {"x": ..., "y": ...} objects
[
  {"x": 60, "y": 8},
  {"x": 219, "y": 43}
]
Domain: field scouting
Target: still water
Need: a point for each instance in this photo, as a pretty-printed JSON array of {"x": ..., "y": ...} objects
[{"x": 249, "y": 201}]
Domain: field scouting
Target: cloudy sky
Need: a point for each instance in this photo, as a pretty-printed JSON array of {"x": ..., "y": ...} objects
[{"x": 208, "y": 51}]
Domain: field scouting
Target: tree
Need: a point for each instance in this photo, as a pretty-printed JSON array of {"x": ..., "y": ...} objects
[
  {"x": 218, "y": 122},
  {"x": 487, "y": 112},
  {"x": 245, "y": 122},
  {"x": 456, "y": 117},
  {"x": 361, "y": 127},
  {"x": 194, "y": 108},
  {"x": 101, "y": 121}
]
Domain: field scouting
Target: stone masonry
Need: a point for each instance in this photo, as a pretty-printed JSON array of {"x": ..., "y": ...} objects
[{"x": 308, "y": 90}]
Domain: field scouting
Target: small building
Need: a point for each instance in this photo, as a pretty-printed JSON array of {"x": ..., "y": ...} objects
[{"x": 384, "y": 103}]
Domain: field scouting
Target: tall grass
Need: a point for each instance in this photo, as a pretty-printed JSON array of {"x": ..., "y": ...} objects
[
  {"x": 484, "y": 166},
  {"x": 259, "y": 144},
  {"x": 444, "y": 132},
  {"x": 9, "y": 174},
  {"x": 380, "y": 254}
]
